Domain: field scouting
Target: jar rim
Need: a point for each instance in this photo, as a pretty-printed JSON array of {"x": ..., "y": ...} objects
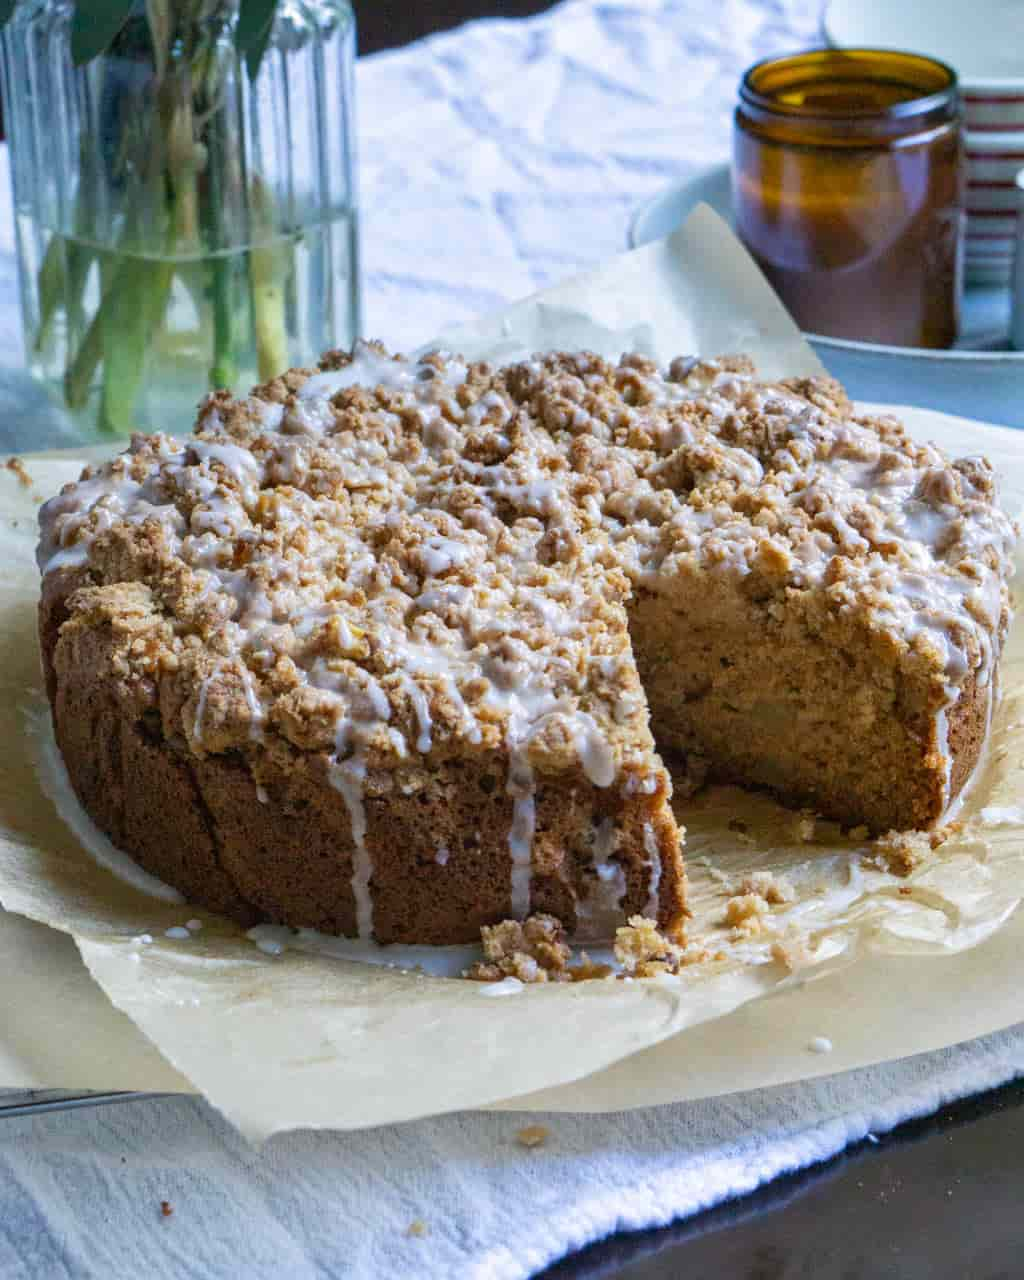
[{"x": 872, "y": 65}]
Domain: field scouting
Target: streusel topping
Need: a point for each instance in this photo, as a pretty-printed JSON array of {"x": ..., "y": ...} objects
[{"x": 383, "y": 559}]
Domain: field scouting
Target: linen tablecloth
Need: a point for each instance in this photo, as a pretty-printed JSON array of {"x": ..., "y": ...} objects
[{"x": 494, "y": 160}]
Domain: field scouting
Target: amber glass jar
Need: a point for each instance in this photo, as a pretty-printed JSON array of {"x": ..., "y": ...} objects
[{"x": 848, "y": 188}]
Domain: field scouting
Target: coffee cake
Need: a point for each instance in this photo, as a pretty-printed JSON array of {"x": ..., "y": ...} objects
[{"x": 379, "y": 650}]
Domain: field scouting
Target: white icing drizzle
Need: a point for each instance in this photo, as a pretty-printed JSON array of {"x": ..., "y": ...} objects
[
  {"x": 654, "y": 859},
  {"x": 602, "y": 908},
  {"x": 344, "y": 559},
  {"x": 520, "y": 836},
  {"x": 348, "y": 778},
  {"x": 506, "y": 987}
]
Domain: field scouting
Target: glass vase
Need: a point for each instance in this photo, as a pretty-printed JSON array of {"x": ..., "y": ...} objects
[{"x": 180, "y": 225}]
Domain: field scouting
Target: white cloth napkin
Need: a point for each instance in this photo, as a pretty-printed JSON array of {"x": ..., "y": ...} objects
[
  {"x": 494, "y": 160},
  {"x": 80, "y": 1192},
  {"x": 507, "y": 155}
]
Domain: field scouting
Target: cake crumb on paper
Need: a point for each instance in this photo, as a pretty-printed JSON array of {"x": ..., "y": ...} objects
[
  {"x": 532, "y": 950},
  {"x": 744, "y": 914},
  {"x": 643, "y": 951},
  {"x": 585, "y": 969},
  {"x": 793, "y": 952},
  {"x": 775, "y": 889},
  {"x": 534, "y": 1135},
  {"x": 417, "y": 1228},
  {"x": 166, "y": 1208},
  {"x": 939, "y": 835},
  {"x": 900, "y": 851},
  {"x": 17, "y": 468}
]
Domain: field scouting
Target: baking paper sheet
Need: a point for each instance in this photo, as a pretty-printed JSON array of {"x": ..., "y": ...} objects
[{"x": 298, "y": 1039}]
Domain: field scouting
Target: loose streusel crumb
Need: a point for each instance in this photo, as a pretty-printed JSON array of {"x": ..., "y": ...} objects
[
  {"x": 534, "y": 1135},
  {"x": 745, "y": 914},
  {"x": 585, "y": 969},
  {"x": 792, "y": 951},
  {"x": 643, "y": 951},
  {"x": 417, "y": 1228},
  {"x": 902, "y": 851},
  {"x": 939, "y": 835},
  {"x": 18, "y": 468},
  {"x": 533, "y": 950},
  {"x": 166, "y": 1208},
  {"x": 802, "y": 827},
  {"x": 775, "y": 889}
]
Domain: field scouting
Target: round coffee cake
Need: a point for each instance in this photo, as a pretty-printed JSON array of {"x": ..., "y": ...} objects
[{"x": 379, "y": 649}]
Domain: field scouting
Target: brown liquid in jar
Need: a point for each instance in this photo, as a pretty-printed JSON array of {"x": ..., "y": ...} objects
[{"x": 848, "y": 189}]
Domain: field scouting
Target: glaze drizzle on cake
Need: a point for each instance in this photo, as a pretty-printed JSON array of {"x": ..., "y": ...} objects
[{"x": 412, "y": 585}]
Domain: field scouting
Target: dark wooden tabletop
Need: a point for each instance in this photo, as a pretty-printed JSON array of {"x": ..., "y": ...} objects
[
  {"x": 382, "y": 24},
  {"x": 938, "y": 1199}
]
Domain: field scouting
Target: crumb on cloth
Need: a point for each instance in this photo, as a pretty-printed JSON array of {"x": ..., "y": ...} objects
[
  {"x": 417, "y": 1228},
  {"x": 533, "y": 1135}
]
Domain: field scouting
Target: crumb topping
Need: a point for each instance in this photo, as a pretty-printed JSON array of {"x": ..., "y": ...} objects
[
  {"x": 386, "y": 561},
  {"x": 382, "y": 555},
  {"x": 532, "y": 950},
  {"x": 901, "y": 851},
  {"x": 643, "y": 951}
]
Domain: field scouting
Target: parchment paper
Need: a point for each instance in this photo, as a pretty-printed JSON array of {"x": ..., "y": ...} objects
[{"x": 299, "y": 1039}]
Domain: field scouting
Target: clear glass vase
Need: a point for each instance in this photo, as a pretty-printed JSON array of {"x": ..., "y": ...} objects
[{"x": 180, "y": 227}]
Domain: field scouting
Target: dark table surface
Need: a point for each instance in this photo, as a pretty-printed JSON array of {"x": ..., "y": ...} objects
[
  {"x": 937, "y": 1198},
  {"x": 383, "y": 24}
]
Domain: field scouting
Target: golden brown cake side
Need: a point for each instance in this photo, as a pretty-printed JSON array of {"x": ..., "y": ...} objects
[{"x": 281, "y": 849}]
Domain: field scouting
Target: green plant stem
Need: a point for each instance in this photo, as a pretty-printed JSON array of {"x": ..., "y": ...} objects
[
  {"x": 79, "y": 374},
  {"x": 266, "y": 275},
  {"x": 224, "y": 368},
  {"x": 141, "y": 292}
]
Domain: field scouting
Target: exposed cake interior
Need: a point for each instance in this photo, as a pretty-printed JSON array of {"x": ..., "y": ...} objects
[{"x": 819, "y": 602}]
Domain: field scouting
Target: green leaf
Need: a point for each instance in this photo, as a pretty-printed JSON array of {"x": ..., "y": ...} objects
[
  {"x": 6, "y": 9},
  {"x": 95, "y": 24},
  {"x": 252, "y": 32}
]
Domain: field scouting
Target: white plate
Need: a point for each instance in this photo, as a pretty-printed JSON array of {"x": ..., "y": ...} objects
[
  {"x": 982, "y": 39},
  {"x": 980, "y": 379}
]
